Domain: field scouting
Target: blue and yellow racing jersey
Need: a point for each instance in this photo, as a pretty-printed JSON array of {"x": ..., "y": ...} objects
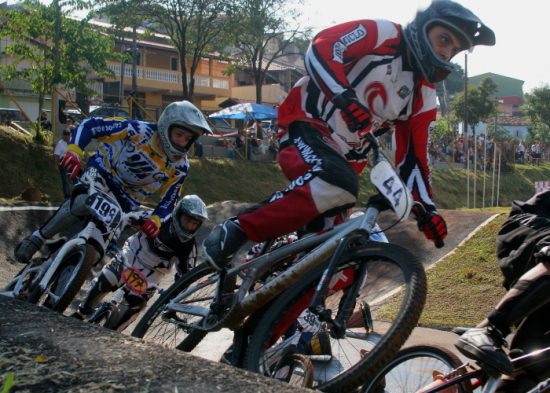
[{"x": 131, "y": 160}]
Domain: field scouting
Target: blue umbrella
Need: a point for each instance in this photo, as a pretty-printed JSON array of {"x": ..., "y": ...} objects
[{"x": 246, "y": 111}]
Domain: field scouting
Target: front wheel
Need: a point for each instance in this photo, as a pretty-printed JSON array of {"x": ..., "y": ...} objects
[
  {"x": 379, "y": 320},
  {"x": 167, "y": 326},
  {"x": 67, "y": 280},
  {"x": 414, "y": 368}
]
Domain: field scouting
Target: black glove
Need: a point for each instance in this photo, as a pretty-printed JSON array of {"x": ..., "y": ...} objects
[
  {"x": 432, "y": 224},
  {"x": 355, "y": 114}
]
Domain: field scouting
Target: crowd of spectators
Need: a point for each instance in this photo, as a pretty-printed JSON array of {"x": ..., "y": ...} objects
[{"x": 481, "y": 150}]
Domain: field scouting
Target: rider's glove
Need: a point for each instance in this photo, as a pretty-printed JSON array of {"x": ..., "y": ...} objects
[
  {"x": 71, "y": 160},
  {"x": 355, "y": 114},
  {"x": 432, "y": 224},
  {"x": 151, "y": 227}
]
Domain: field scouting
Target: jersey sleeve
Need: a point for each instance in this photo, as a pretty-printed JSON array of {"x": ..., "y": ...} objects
[
  {"x": 169, "y": 193},
  {"x": 412, "y": 137},
  {"x": 338, "y": 48},
  {"x": 98, "y": 128}
]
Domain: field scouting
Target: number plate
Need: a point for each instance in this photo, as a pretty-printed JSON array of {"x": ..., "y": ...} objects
[
  {"x": 134, "y": 280},
  {"x": 105, "y": 209},
  {"x": 386, "y": 180}
]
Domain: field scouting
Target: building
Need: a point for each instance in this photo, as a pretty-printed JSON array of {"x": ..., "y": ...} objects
[{"x": 509, "y": 96}]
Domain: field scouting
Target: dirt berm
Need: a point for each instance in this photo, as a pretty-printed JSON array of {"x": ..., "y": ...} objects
[{"x": 47, "y": 352}]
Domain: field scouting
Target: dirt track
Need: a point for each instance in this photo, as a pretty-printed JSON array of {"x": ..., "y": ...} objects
[{"x": 80, "y": 357}]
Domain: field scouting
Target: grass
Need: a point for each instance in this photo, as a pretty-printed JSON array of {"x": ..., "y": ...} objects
[
  {"x": 466, "y": 285},
  {"x": 463, "y": 287}
]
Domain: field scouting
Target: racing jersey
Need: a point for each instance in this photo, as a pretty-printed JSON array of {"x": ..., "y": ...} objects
[
  {"x": 162, "y": 253},
  {"x": 370, "y": 57},
  {"x": 130, "y": 159}
]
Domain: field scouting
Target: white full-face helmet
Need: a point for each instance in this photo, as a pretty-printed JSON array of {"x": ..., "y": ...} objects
[
  {"x": 192, "y": 206},
  {"x": 183, "y": 114}
]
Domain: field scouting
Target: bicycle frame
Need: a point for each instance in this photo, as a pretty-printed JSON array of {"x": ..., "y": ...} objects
[
  {"x": 318, "y": 247},
  {"x": 44, "y": 272},
  {"x": 489, "y": 380}
]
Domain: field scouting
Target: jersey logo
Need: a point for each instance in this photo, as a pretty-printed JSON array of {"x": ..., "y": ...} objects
[
  {"x": 353, "y": 36},
  {"x": 139, "y": 166},
  {"x": 346, "y": 40},
  {"x": 373, "y": 91},
  {"x": 404, "y": 91}
]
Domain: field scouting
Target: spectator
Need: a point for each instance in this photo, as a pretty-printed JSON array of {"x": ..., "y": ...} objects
[{"x": 45, "y": 124}]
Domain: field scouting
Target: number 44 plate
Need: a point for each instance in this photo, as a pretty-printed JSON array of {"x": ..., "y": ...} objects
[{"x": 386, "y": 180}]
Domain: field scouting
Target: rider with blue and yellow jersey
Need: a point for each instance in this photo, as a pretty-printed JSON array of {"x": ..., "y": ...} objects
[{"x": 134, "y": 160}]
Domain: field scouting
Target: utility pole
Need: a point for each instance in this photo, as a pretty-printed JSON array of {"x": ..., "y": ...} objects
[
  {"x": 121, "y": 87},
  {"x": 465, "y": 134}
]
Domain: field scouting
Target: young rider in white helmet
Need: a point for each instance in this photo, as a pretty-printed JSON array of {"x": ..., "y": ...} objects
[
  {"x": 134, "y": 160},
  {"x": 152, "y": 258}
]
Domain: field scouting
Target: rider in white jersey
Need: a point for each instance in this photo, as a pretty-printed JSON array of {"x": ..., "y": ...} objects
[{"x": 153, "y": 259}]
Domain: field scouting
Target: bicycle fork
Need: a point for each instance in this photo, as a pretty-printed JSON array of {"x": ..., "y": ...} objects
[{"x": 347, "y": 303}]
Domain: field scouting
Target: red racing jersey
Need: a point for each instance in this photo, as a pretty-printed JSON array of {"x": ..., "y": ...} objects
[{"x": 370, "y": 57}]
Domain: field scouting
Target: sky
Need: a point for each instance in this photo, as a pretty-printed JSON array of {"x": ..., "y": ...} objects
[{"x": 522, "y": 49}]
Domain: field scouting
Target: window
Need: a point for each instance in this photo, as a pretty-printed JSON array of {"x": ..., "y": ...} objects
[{"x": 173, "y": 63}]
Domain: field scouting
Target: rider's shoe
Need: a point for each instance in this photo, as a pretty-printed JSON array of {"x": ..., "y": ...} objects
[
  {"x": 315, "y": 345},
  {"x": 27, "y": 248},
  {"x": 78, "y": 315},
  {"x": 486, "y": 345},
  {"x": 220, "y": 245},
  {"x": 82, "y": 313}
]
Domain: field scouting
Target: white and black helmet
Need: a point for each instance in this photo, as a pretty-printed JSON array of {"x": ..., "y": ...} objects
[
  {"x": 183, "y": 114},
  {"x": 468, "y": 28},
  {"x": 192, "y": 206}
]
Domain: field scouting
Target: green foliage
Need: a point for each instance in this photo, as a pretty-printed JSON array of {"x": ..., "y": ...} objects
[
  {"x": 195, "y": 28},
  {"x": 450, "y": 87},
  {"x": 481, "y": 103},
  {"x": 537, "y": 108},
  {"x": 260, "y": 31},
  {"x": 49, "y": 48},
  {"x": 8, "y": 382}
]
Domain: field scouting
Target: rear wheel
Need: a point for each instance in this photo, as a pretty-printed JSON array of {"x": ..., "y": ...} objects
[
  {"x": 168, "y": 327},
  {"x": 67, "y": 280},
  {"x": 386, "y": 310},
  {"x": 413, "y": 368}
]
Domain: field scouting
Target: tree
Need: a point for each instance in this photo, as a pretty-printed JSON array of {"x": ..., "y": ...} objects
[
  {"x": 481, "y": 102},
  {"x": 450, "y": 87},
  {"x": 260, "y": 34},
  {"x": 195, "y": 28},
  {"x": 124, "y": 14},
  {"x": 537, "y": 108},
  {"x": 68, "y": 58}
]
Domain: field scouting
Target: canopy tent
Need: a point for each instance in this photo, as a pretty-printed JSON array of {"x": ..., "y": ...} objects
[{"x": 246, "y": 111}]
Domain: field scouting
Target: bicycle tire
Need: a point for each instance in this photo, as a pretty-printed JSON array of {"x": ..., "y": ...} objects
[
  {"x": 412, "y": 369},
  {"x": 164, "y": 330},
  {"x": 67, "y": 280},
  {"x": 386, "y": 263}
]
